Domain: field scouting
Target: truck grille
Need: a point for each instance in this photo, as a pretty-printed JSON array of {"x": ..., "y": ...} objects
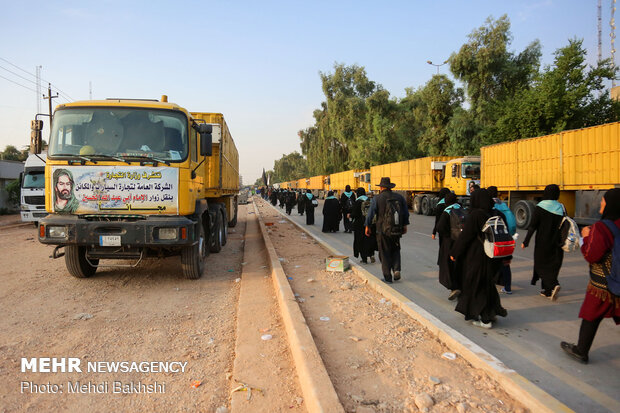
[{"x": 35, "y": 200}]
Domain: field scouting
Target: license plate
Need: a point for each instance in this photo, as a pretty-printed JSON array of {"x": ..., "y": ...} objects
[{"x": 110, "y": 240}]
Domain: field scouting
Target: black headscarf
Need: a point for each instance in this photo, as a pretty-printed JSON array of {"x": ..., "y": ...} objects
[
  {"x": 480, "y": 199},
  {"x": 612, "y": 207},
  {"x": 450, "y": 198},
  {"x": 552, "y": 192},
  {"x": 443, "y": 192},
  {"x": 360, "y": 191},
  {"x": 330, "y": 193},
  {"x": 492, "y": 191}
]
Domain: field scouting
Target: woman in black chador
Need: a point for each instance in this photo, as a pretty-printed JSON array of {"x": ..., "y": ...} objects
[
  {"x": 449, "y": 271},
  {"x": 479, "y": 300},
  {"x": 331, "y": 213},
  {"x": 300, "y": 202},
  {"x": 548, "y": 254},
  {"x": 363, "y": 246},
  {"x": 309, "y": 207}
]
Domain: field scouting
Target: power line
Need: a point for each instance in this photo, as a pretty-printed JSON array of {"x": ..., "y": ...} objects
[
  {"x": 18, "y": 84},
  {"x": 27, "y": 72},
  {"x": 20, "y": 76}
]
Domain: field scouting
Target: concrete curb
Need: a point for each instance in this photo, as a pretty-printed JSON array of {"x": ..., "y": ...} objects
[
  {"x": 524, "y": 391},
  {"x": 316, "y": 386}
]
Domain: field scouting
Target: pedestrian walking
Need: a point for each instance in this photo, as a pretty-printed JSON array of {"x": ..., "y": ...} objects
[
  {"x": 273, "y": 197},
  {"x": 598, "y": 250},
  {"x": 290, "y": 201},
  {"x": 331, "y": 213},
  {"x": 363, "y": 246},
  {"x": 300, "y": 202},
  {"x": 309, "y": 204},
  {"x": 504, "y": 276},
  {"x": 479, "y": 300},
  {"x": 449, "y": 271},
  {"x": 392, "y": 220},
  {"x": 548, "y": 253},
  {"x": 347, "y": 199}
]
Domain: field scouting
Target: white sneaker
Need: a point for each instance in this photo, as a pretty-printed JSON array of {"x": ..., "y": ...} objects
[{"x": 479, "y": 323}]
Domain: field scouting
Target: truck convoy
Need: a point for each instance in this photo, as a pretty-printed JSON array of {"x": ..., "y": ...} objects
[
  {"x": 584, "y": 163},
  {"x": 32, "y": 183},
  {"x": 127, "y": 179}
]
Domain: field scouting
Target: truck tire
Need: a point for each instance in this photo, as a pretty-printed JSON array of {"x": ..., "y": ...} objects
[
  {"x": 75, "y": 260},
  {"x": 524, "y": 210},
  {"x": 218, "y": 233},
  {"x": 416, "y": 204},
  {"x": 193, "y": 257},
  {"x": 425, "y": 206},
  {"x": 233, "y": 221}
]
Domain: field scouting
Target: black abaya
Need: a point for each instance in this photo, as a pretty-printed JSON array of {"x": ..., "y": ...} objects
[{"x": 331, "y": 215}]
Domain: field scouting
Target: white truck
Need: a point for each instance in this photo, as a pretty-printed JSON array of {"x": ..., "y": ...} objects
[{"x": 32, "y": 197}]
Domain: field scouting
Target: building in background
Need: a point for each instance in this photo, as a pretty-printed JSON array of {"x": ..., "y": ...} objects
[{"x": 9, "y": 171}]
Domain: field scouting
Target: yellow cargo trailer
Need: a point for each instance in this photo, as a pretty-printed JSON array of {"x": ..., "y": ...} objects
[
  {"x": 354, "y": 178},
  {"x": 317, "y": 185},
  {"x": 127, "y": 179},
  {"x": 584, "y": 163},
  {"x": 421, "y": 179}
]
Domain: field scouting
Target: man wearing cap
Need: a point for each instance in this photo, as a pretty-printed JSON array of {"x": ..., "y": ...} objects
[{"x": 389, "y": 246}]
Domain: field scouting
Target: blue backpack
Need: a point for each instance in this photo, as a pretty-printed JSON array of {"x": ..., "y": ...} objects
[
  {"x": 613, "y": 278},
  {"x": 510, "y": 217}
]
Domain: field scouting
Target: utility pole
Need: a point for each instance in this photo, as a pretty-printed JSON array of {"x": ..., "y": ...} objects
[
  {"x": 50, "y": 97},
  {"x": 599, "y": 30},
  {"x": 612, "y": 23},
  {"x": 90, "y": 90}
]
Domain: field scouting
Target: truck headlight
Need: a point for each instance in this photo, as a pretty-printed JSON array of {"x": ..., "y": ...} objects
[
  {"x": 57, "y": 232},
  {"x": 167, "y": 233}
]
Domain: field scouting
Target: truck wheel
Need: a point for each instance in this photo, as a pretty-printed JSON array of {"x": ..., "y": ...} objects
[
  {"x": 425, "y": 206},
  {"x": 524, "y": 210},
  {"x": 233, "y": 221},
  {"x": 75, "y": 260},
  {"x": 193, "y": 257},
  {"x": 218, "y": 233},
  {"x": 416, "y": 204}
]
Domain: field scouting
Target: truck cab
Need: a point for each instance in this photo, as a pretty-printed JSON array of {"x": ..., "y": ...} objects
[
  {"x": 462, "y": 174},
  {"x": 32, "y": 182}
]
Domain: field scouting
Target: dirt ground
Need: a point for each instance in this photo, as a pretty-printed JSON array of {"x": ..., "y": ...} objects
[
  {"x": 149, "y": 313},
  {"x": 378, "y": 358}
]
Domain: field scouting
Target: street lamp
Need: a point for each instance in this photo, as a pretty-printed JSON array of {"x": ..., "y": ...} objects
[{"x": 437, "y": 66}]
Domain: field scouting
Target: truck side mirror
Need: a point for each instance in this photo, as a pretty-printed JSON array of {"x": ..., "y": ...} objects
[
  {"x": 206, "y": 139},
  {"x": 36, "y": 140}
]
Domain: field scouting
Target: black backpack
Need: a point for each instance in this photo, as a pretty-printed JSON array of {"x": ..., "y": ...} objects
[
  {"x": 348, "y": 204},
  {"x": 393, "y": 218},
  {"x": 457, "y": 222}
]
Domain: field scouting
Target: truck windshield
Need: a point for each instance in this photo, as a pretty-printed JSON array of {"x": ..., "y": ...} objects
[
  {"x": 34, "y": 179},
  {"x": 119, "y": 132},
  {"x": 471, "y": 170}
]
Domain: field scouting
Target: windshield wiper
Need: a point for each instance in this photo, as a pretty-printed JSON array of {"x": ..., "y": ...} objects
[
  {"x": 110, "y": 157},
  {"x": 72, "y": 155},
  {"x": 147, "y": 159}
]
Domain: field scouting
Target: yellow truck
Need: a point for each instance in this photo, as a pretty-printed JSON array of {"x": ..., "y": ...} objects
[
  {"x": 355, "y": 178},
  {"x": 317, "y": 185},
  {"x": 584, "y": 163},
  {"x": 420, "y": 180},
  {"x": 127, "y": 179}
]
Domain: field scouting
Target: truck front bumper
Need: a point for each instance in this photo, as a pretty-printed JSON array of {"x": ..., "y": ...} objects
[{"x": 150, "y": 232}]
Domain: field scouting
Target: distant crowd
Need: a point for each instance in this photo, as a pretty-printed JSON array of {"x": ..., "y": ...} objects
[{"x": 476, "y": 243}]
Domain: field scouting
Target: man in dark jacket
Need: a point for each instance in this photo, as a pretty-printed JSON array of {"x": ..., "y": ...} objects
[
  {"x": 389, "y": 245},
  {"x": 347, "y": 199}
]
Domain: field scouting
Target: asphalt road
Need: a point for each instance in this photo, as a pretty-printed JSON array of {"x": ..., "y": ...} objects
[{"x": 528, "y": 340}]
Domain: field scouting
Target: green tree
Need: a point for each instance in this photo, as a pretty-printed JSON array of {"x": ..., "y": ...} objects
[
  {"x": 290, "y": 167},
  {"x": 11, "y": 153}
]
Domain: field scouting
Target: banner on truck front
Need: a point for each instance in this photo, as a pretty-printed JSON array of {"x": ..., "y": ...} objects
[{"x": 115, "y": 190}]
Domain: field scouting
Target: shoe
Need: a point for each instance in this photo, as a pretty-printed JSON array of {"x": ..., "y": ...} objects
[
  {"x": 545, "y": 294},
  {"x": 388, "y": 281},
  {"x": 396, "y": 275},
  {"x": 372, "y": 259},
  {"x": 479, "y": 323},
  {"x": 572, "y": 351},
  {"x": 554, "y": 293},
  {"x": 364, "y": 261},
  {"x": 504, "y": 291},
  {"x": 454, "y": 294}
]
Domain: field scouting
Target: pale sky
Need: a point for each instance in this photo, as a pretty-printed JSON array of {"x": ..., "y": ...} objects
[{"x": 258, "y": 63}]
